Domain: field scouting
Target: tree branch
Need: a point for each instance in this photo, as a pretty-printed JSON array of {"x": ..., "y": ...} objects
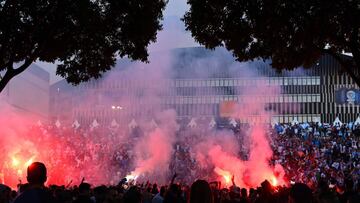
[
  {"x": 346, "y": 65},
  {"x": 355, "y": 48},
  {"x": 11, "y": 72}
]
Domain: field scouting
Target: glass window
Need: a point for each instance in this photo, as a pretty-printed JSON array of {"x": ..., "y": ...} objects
[
  {"x": 300, "y": 119},
  {"x": 286, "y": 119},
  {"x": 303, "y": 81},
  {"x": 281, "y": 119},
  {"x": 290, "y": 81},
  {"x": 281, "y": 82},
  {"x": 194, "y": 83},
  {"x": 221, "y": 82},
  {"x": 286, "y": 81},
  {"x": 273, "y": 81},
  {"x": 313, "y": 81},
  {"x": 231, "y": 82},
  {"x": 189, "y": 83},
  {"x": 294, "y": 81},
  {"x": 308, "y": 98},
  {"x": 182, "y": 100},
  {"x": 245, "y": 82},
  {"x": 226, "y": 82}
]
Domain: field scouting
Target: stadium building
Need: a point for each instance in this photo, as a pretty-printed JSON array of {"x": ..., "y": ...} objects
[{"x": 203, "y": 83}]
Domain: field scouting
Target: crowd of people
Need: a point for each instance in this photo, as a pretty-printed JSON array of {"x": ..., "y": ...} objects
[
  {"x": 200, "y": 191},
  {"x": 321, "y": 164},
  {"x": 311, "y": 152}
]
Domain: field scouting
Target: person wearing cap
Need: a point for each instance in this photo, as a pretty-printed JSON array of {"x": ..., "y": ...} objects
[{"x": 36, "y": 192}]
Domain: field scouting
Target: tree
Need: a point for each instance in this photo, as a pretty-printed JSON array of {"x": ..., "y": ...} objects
[
  {"x": 291, "y": 33},
  {"x": 85, "y": 36}
]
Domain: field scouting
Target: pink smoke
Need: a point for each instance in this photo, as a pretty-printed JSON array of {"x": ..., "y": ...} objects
[
  {"x": 154, "y": 150},
  {"x": 223, "y": 155}
]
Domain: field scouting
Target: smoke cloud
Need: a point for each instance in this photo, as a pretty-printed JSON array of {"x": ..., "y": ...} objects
[{"x": 141, "y": 138}]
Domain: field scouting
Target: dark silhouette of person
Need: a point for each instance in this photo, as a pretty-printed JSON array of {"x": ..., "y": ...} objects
[
  {"x": 300, "y": 193},
  {"x": 265, "y": 193},
  {"x": 159, "y": 198},
  {"x": 244, "y": 196},
  {"x": 133, "y": 195},
  {"x": 5, "y": 193},
  {"x": 84, "y": 193},
  {"x": 200, "y": 192},
  {"x": 173, "y": 194},
  {"x": 36, "y": 191},
  {"x": 154, "y": 189}
]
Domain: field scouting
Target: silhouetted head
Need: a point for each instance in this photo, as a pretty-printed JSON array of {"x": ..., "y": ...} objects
[
  {"x": 266, "y": 187},
  {"x": 133, "y": 195},
  {"x": 243, "y": 192},
  {"x": 84, "y": 188},
  {"x": 300, "y": 193},
  {"x": 36, "y": 174},
  {"x": 162, "y": 191},
  {"x": 200, "y": 192}
]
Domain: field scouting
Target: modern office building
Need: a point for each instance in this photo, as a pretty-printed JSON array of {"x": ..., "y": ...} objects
[{"x": 202, "y": 83}]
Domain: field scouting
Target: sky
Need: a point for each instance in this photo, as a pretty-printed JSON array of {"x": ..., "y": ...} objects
[{"x": 173, "y": 29}]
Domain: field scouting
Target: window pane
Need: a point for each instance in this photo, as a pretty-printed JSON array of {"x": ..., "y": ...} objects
[
  {"x": 313, "y": 81},
  {"x": 294, "y": 81},
  {"x": 281, "y": 81}
]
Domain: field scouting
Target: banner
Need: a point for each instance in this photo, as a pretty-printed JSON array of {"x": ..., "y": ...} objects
[
  {"x": 227, "y": 108},
  {"x": 347, "y": 96}
]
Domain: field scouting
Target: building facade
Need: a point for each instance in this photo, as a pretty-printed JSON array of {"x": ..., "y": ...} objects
[
  {"x": 202, "y": 81},
  {"x": 29, "y": 92}
]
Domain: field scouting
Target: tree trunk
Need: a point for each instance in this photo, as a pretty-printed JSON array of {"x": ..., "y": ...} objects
[
  {"x": 11, "y": 73},
  {"x": 5, "y": 80}
]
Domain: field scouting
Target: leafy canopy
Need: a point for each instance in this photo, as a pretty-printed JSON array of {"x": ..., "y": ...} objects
[
  {"x": 85, "y": 36},
  {"x": 291, "y": 33}
]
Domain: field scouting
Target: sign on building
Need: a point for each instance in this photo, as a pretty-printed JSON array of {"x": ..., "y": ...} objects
[{"x": 347, "y": 96}]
